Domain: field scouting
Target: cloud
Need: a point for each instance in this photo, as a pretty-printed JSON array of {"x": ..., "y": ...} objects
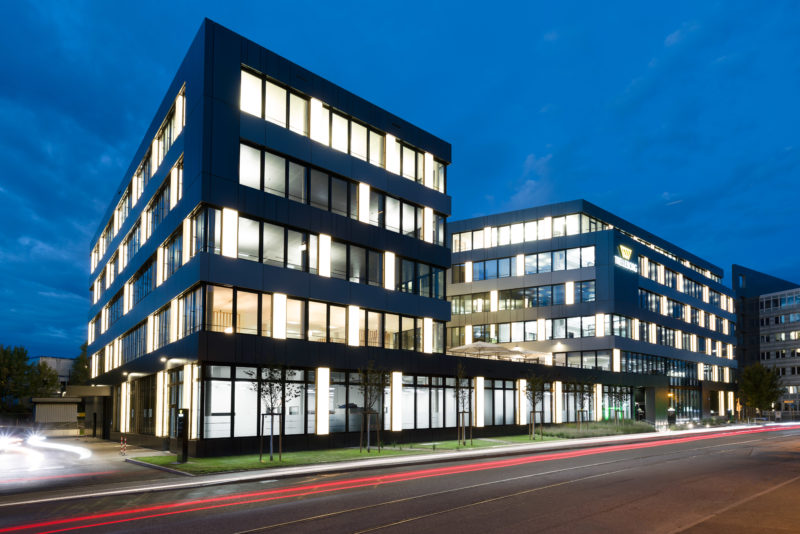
[{"x": 681, "y": 33}]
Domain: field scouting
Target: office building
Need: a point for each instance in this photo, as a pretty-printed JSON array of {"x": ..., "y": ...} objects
[
  {"x": 594, "y": 299},
  {"x": 269, "y": 219},
  {"x": 768, "y": 312}
]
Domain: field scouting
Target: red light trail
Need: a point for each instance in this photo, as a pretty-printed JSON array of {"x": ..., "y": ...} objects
[{"x": 96, "y": 520}]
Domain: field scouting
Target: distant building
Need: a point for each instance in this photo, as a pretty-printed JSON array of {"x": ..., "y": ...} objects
[
  {"x": 768, "y": 314},
  {"x": 603, "y": 300}
]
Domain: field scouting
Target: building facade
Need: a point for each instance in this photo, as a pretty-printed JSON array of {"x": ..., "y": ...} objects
[
  {"x": 269, "y": 220},
  {"x": 769, "y": 314},
  {"x": 572, "y": 286}
]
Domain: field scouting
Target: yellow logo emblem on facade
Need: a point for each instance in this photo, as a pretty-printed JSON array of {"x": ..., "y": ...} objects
[{"x": 625, "y": 252}]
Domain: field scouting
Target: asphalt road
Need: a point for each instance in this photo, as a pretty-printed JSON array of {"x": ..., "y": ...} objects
[{"x": 740, "y": 482}]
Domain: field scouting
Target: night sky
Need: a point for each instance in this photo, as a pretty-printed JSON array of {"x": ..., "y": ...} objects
[{"x": 683, "y": 119}]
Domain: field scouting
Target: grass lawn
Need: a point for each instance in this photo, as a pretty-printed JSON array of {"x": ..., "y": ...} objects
[
  {"x": 221, "y": 464},
  {"x": 204, "y": 466}
]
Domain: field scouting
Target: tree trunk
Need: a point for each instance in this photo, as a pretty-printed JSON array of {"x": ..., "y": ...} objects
[
  {"x": 271, "y": 432},
  {"x": 368, "y": 419}
]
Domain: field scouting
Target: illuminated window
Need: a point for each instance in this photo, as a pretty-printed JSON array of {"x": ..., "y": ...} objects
[
  {"x": 246, "y": 312},
  {"x": 249, "y": 166},
  {"x": 317, "y": 321},
  {"x": 274, "y": 174},
  {"x": 377, "y": 145},
  {"x": 297, "y": 182},
  {"x": 295, "y": 319},
  {"x": 339, "y": 126},
  {"x": 276, "y": 104},
  {"x": 358, "y": 140},
  {"x": 298, "y": 114},
  {"x": 273, "y": 245},
  {"x": 220, "y": 309},
  {"x": 318, "y": 185},
  {"x": 409, "y": 163},
  {"x": 250, "y": 97},
  {"x": 248, "y": 239},
  {"x": 337, "y": 328},
  {"x": 266, "y": 315}
]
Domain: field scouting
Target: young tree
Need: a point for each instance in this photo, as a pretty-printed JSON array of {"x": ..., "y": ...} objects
[
  {"x": 79, "y": 373},
  {"x": 373, "y": 385},
  {"x": 534, "y": 390},
  {"x": 274, "y": 392},
  {"x": 583, "y": 390},
  {"x": 462, "y": 390},
  {"x": 617, "y": 396},
  {"x": 760, "y": 387},
  {"x": 13, "y": 375}
]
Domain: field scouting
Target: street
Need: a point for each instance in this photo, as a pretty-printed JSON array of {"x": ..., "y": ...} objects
[{"x": 738, "y": 481}]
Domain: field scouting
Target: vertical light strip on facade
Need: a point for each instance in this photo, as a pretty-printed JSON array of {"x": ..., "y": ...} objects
[
  {"x": 599, "y": 325},
  {"x": 324, "y": 255},
  {"x": 428, "y": 170},
  {"x": 558, "y": 402},
  {"x": 541, "y": 330},
  {"x": 173, "y": 320},
  {"x": 427, "y": 335},
  {"x": 388, "y": 270},
  {"x": 520, "y": 264},
  {"x": 569, "y": 290},
  {"x": 468, "y": 272},
  {"x": 319, "y": 126},
  {"x": 160, "y": 404},
  {"x": 731, "y": 405},
  {"x": 279, "y": 315},
  {"x": 701, "y": 369},
  {"x": 721, "y": 400},
  {"x": 124, "y": 400},
  {"x": 598, "y": 402},
  {"x": 493, "y": 300},
  {"x": 363, "y": 202},
  {"x": 478, "y": 402},
  {"x": 616, "y": 361},
  {"x": 159, "y": 266},
  {"x": 150, "y": 332},
  {"x": 353, "y": 325},
  {"x": 635, "y": 329},
  {"x": 396, "y": 391},
  {"x": 323, "y": 386},
  {"x": 230, "y": 231},
  {"x": 173, "y": 187},
  {"x": 186, "y": 249},
  {"x": 427, "y": 225},
  {"x": 522, "y": 402},
  {"x": 467, "y": 334},
  {"x": 392, "y": 155}
]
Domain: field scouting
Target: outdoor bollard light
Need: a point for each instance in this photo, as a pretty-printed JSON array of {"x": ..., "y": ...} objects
[{"x": 182, "y": 428}]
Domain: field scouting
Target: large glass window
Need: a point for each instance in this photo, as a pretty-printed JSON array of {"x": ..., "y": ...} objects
[
  {"x": 297, "y": 182},
  {"x": 319, "y": 189},
  {"x": 250, "y": 166},
  {"x": 250, "y": 96},
  {"x": 339, "y": 127},
  {"x": 298, "y": 114},
  {"x": 220, "y": 309},
  {"x": 339, "y": 196},
  {"x": 273, "y": 245},
  {"x": 358, "y": 140},
  {"x": 358, "y": 265},
  {"x": 338, "y": 260},
  {"x": 391, "y": 334},
  {"x": 248, "y": 239},
  {"x": 317, "y": 321},
  {"x": 337, "y": 329},
  {"x": 295, "y": 319},
  {"x": 276, "y": 104},
  {"x": 266, "y": 315},
  {"x": 296, "y": 250},
  {"x": 274, "y": 174},
  {"x": 246, "y": 312}
]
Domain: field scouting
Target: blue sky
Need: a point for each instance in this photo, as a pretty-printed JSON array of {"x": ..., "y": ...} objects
[{"x": 682, "y": 118}]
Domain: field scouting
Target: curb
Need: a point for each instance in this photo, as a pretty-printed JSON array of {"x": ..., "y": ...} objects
[{"x": 159, "y": 467}]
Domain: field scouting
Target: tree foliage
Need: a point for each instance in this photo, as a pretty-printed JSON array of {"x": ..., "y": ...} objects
[
  {"x": 760, "y": 387},
  {"x": 79, "y": 374},
  {"x": 21, "y": 379}
]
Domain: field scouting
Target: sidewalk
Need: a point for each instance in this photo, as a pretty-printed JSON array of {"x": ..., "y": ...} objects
[{"x": 191, "y": 481}]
